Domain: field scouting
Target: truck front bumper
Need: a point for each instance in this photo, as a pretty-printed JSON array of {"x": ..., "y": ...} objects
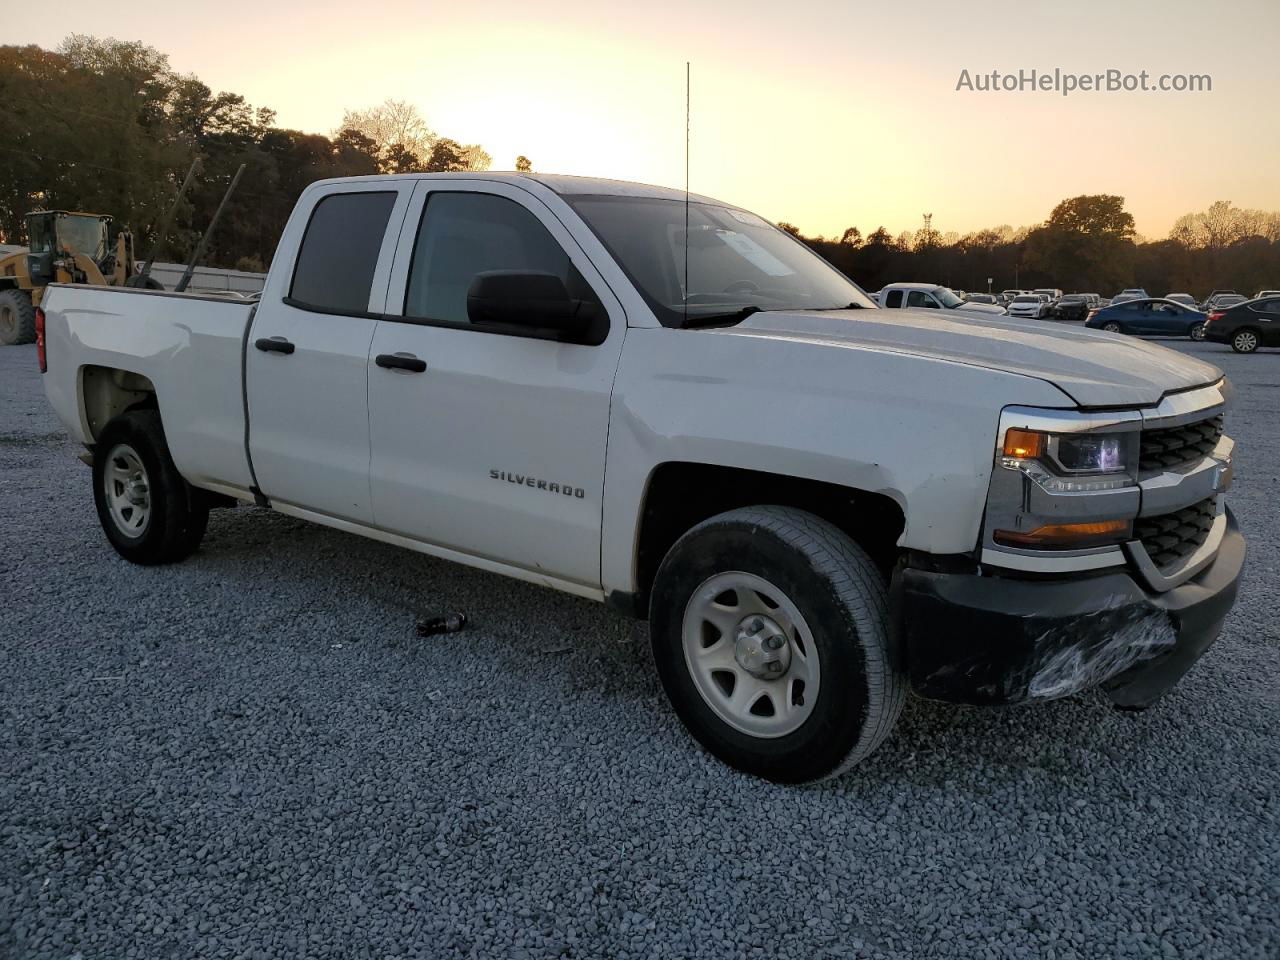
[{"x": 996, "y": 640}]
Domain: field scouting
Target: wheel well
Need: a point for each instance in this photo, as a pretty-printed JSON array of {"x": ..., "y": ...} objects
[
  {"x": 108, "y": 392},
  {"x": 681, "y": 495}
]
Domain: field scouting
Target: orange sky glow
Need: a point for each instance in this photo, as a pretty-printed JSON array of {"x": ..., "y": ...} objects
[{"x": 823, "y": 113}]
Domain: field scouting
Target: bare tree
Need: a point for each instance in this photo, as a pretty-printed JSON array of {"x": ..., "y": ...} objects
[{"x": 392, "y": 124}]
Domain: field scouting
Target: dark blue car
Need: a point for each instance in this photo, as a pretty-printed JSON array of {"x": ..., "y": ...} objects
[{"x": 1154, "y": 316}]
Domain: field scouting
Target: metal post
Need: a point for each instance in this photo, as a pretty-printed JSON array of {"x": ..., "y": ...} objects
[
  {"x": 204, "y": 239},
  {"x": 158, "y": 244}
]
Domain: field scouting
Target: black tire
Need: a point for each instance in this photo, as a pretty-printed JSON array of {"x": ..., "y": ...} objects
[
  {"x": 17, "y": 318},
  {"x": 1112, "y": 327},
  {"x": 1245, "y": 341},
  {"x": 138, "y": 281},
  {"x": 1196, "y": 332},
  {"x": 842, "y": 597},
  {"x": 176, "y": 515}
]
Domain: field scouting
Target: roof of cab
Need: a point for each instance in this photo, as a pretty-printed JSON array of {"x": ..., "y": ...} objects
[{"x": 563, "y": 184}]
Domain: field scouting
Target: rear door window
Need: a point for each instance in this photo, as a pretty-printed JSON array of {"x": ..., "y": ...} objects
[
  {"x": 894, "y": 299},
  {"x": 339, "y": 252}
]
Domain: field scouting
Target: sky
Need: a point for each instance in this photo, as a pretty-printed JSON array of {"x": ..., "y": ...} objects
[{"x": 822, "y": 113}]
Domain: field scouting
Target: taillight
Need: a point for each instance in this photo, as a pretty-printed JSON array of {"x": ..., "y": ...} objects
[
  {"x": 1092, "y": 314},
  {"x": 1215, "y": 315},
  {"x": 40, "y": 355}
]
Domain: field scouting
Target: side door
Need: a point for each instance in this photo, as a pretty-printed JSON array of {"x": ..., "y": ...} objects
[
  {"x": 921, "y": 300},
  {"x": 1268, "y": 317},
  {"x": 493, "y": 443},
  {"x": 307, "y": 359}
]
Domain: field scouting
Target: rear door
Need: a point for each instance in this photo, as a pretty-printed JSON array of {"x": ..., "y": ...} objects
[
  {"x": 306, "y": 363},
  {"x": 493, "y": 442}
]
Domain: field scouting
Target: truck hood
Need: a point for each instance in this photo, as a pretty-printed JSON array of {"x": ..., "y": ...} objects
[
  {"x": 1093, "y": 368},
  {"x": 990, "y": 308}
]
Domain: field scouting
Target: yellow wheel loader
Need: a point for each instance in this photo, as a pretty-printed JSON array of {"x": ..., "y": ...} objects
[{"x": 65, "y": 247}]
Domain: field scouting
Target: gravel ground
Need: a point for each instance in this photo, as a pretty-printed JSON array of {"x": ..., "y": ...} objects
[{"x": 252, "y": 755}]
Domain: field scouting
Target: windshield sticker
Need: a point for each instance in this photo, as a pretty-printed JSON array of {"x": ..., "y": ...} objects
[
  {"x": 753, "y": 253},
  {"x": 750, "y": 219}
]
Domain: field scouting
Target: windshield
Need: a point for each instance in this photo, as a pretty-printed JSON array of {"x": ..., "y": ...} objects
[
  {"x": 948, "y": 298},
  {"x": 85, "y": 235},
  {"x": 736, "y": 261},
  {"x": 1026, "y": 300}
]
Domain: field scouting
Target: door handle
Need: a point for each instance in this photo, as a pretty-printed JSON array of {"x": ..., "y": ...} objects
[
  {"x": 400, "y": 361},
  {"x": 273, "y": 345}
]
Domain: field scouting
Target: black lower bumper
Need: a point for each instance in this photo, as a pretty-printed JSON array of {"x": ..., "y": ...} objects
[{"x": 993, "y": 640}]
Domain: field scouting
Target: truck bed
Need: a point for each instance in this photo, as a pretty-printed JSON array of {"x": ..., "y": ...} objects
[{"x": 189, "y": 346}]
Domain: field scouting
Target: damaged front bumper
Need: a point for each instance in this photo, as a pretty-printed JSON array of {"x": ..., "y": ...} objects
[{"x": 998, "y": 640}]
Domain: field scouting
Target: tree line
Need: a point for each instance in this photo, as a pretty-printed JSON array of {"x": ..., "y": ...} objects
[
  {"x": 108, "y": 126},
  {"x": 1088, "y": 244}
]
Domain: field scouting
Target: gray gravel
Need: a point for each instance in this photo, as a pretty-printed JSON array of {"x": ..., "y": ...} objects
[{"x": 252, "y": 755}]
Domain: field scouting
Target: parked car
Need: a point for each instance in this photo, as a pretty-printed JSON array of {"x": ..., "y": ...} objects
[
  {"x": 1247, "y": 326},
  {"x": 932, "y": 296},
  {"x": 1052, "y": 293},
  {"x": 1263, "y": 294},
  {"x": 1130, "y": 293},
  {"x": 1224, "y": 301},
  {"x": 1032, "y": 305},
  {"x": 507, "y": 371},
  {"x": 1073, "y": 306},
  {"x": 1152, "y": 317},
  {"x": 980, "y": 298},
  {"x": 1005, "y": 297},
  {"x": 1186, "y": 299},
  {"x": 1212, "y": 298}
]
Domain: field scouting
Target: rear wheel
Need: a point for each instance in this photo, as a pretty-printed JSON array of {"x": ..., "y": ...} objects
[
  {"x": 17, "y": 317},
  {"x": 148, "y": 512},
  {"x": 770, "y": 633},
  {"x": 1245, "y": 341},
  {"x": 1197, "y": 331},
  {"x": 1112, "y": 327}
]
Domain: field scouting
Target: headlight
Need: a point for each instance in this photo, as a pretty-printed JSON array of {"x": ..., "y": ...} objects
[{"x": 1070, "y": 462}]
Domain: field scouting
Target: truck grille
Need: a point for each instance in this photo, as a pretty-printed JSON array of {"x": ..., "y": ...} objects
[
  {"x": 1174, "y": 447},
  {"x": 1171, "y": 538}
]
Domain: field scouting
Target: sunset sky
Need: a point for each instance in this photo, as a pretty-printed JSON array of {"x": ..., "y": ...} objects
[{"x": 824, "y": 113}]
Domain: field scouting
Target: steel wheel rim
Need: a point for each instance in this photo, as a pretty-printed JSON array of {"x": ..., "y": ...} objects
[
  {"x": 128, "y": 490},
  {"x": 1246, "y": 342},
  {"x": 719, "y": 648},
  {"x": 1197, "y": 332}
]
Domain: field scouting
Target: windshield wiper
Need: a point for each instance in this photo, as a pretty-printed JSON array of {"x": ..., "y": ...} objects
[{"x": 719, "y": 319}]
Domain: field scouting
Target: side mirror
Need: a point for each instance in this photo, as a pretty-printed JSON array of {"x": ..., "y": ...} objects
[
  {"x": 40, "y": 268},
  {"x": 533, "y": 300}
]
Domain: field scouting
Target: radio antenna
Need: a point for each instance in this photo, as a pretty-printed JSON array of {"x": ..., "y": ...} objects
[{"x": 686, "y": 194}]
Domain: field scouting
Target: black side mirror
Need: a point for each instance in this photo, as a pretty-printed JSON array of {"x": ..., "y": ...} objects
[
  {"x": 534, "y": 300},
  {"x": 40, "y": 268}
]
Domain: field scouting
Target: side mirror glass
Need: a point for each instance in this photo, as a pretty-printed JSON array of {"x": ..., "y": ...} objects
[{"x": 530, "y": 299}]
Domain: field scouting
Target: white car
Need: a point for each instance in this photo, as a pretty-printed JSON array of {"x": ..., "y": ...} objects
[
  {"x": 1033, "y": 305},
  {"x": 1261, "y": 294},
  {"x": 1186, "y": 299},
  {"x": 932, "y": 296},
  {"x": 516, "y": 372},
  {"x": 1130, "y": 293}
]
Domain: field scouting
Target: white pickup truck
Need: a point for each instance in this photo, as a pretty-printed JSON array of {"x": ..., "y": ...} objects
[{"x": 682, "y": 411}]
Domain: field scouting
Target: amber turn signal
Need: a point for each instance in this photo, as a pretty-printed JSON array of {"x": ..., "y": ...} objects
[
  {"x": 1023, "y": 444},
  {"x": 1068, "y": 534}
]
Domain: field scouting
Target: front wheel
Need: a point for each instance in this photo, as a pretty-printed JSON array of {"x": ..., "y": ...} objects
[
  {"x": 770, "y": 632},
  {"x": 1112, "y": 327},
  {"x": 1246, "y": 341},
  {"x": 17, "y": 318},
  {"x": 147, "y": 510},
  {"x": 1196, "y": 332}
]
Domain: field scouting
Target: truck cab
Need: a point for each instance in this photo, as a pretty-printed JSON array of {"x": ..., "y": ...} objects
[{"x": 932, "y": 296}]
